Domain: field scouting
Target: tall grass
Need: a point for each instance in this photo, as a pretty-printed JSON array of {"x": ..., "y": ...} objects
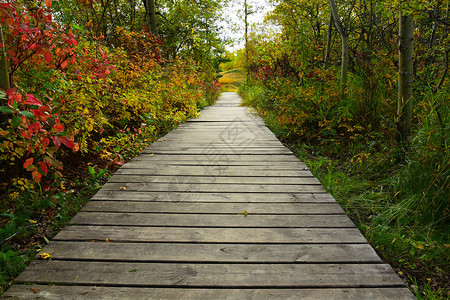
[{"x": 401, "y": 206}]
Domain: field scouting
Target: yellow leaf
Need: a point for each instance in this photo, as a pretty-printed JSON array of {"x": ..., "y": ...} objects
[{"x": 45, "y": 255}]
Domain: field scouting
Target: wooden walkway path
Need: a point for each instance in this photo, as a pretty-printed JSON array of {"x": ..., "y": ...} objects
[{"x": 217, "y": 209}]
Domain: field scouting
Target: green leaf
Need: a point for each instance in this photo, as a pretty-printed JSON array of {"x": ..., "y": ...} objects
[
  {"x": 92, "y": 172},
  {"x": 101, "y": 173},
  {"x": 77, "y": 27},
  {"x": 6, "y": 109},
  {"x": 27, "y": 114},
  {"x": 15, "y": 105},
  {"x": 2, "y": 95},
  {"x": 16, "y": 121}
]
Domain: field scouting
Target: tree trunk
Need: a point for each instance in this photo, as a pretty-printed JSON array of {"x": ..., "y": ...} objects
[
  {"x": 405, "y": 76},
  {"x": 4, "y": 75},
  {"x": 246, "y": 36},
  {"x": 343, "y": 32},
  {"x": 328, "y": 48},
  {"x": 151, "y": 15}
]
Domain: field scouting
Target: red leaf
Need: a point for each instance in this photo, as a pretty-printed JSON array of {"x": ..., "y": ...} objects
[
  {"x": 56, "y": 141},
  {"x": 48, "y": 56},
  {"x": 59, "y": 127},
  {"x": 68, "y": 142},
  {"x": 48, "y": 3},
  {"x": 43, "y": 166},
  {"x": 25, "y": 134},
  {"x": 34, "y": 127},
  {"x": 28, "y": 162},
  {"x": 45, "y": 142},
  {"x": 36, "y": 176},
  {"x": 64, "y": 64},
  {"x": 32, "y": 100}
]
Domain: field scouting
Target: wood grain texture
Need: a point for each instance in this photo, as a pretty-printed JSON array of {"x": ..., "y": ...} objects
[
  {"x": 237, "y": 253},
  {"x": 129, "y": 293},
  {"x": 213, "y": 188},
  {"x": 176, "y": 197},
  {"x": 209, "y": 275},
  {"x": 214, "y": 179},
  {"x": 211, "y": 220},
  {"x": 211, "y": 235},
  {"x": 223, "y": 207}
]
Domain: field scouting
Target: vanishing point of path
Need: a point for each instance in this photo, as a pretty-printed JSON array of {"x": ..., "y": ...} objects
[{"x": 217, "y": 209}]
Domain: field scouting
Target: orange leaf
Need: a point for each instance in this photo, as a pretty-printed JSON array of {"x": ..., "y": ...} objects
[
  {"x": 25, "y": 134},
  {"x": 28, "y": 162},
  {"x": 64, "y": 64},
  {"x": 36, "y": 176},
  {"x": 48, "y": 56},
  {"x": 48, "y": 3},
  {"x": 43, "y": 166}
]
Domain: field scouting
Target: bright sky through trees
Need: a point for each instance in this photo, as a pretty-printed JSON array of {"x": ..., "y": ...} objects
[{"x": 234, "y": 20}]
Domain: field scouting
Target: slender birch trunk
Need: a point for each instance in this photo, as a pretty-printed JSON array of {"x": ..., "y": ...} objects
[{"x": 343, "y": 32}]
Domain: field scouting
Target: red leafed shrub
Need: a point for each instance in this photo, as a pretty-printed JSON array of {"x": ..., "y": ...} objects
[
  {"x": 33, "y": 133},
  {"x": 30, "y": 130}
]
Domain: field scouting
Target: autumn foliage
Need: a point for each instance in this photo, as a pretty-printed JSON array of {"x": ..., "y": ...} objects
[{"x": 75, "y": 96}]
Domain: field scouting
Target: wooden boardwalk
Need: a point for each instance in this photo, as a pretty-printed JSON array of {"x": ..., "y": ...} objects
[{"x": 217, "y": 209}]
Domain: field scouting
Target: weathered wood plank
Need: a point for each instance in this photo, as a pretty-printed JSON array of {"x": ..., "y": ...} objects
[
  {"x": 213, "y": 197},
  {"x": 211, "y": 235},
  {"x": 253, "y": 152},
  {"x": 209, "y": 275},
  {"x": 152, "y": 252},
  {"x": 212, "y": 170},
  {"x": 51, "y": 292},
  {"x": 223, "y": 207},
  {"x": 202, "y": 155},
  {"x": 215, "y": 208},
  {"x": 214, "y": 179},
  {"x": 203, "y": 220},
  {"x": 216, "y": 162},
  {"x": 210, "y": 187},
  {"x": 176, "y": 142},
  {"x": 195, "y": 146}
]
